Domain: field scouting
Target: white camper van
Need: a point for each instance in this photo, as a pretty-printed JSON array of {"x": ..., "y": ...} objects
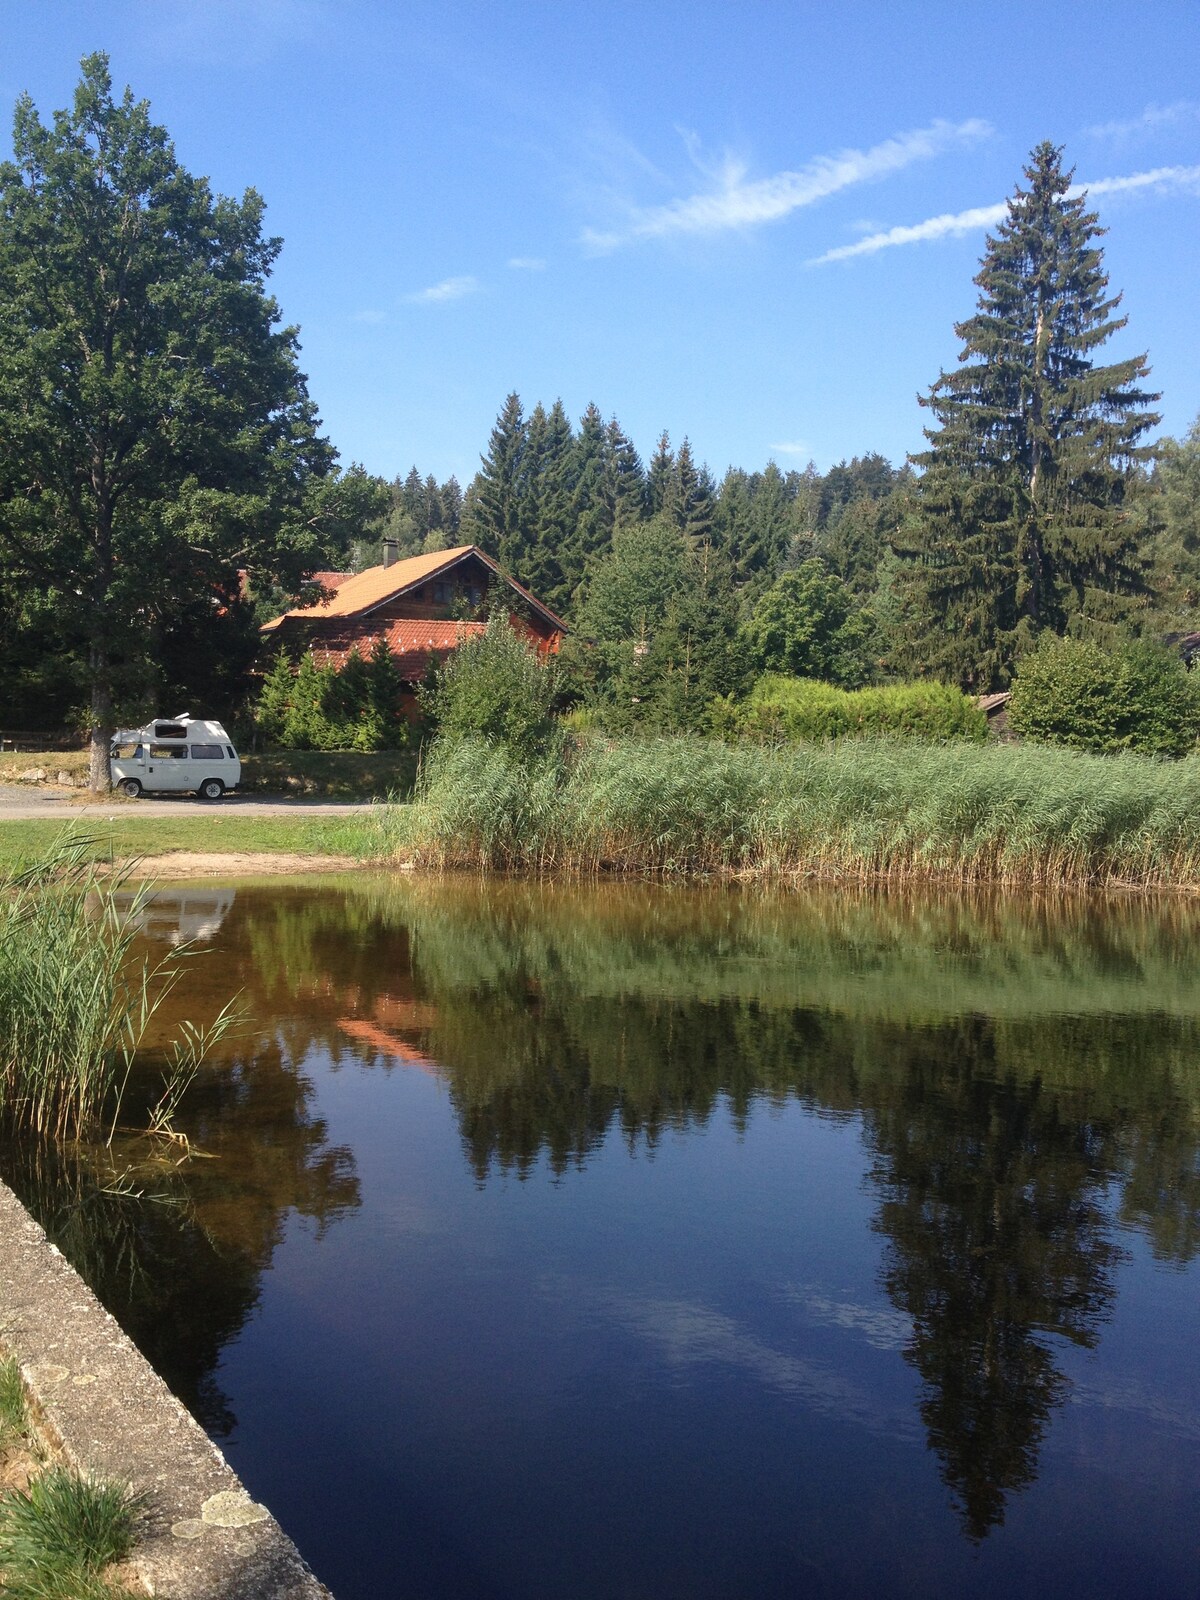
[{"x": 183, "y": 756}]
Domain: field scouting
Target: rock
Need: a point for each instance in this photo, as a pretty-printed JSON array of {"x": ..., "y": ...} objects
[
  {"x": 67, "y": 779},
  {"x": 32, "y": 775}
]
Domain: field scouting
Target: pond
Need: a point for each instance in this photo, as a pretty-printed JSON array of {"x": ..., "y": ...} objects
[{"x": 667, "y": 1242}]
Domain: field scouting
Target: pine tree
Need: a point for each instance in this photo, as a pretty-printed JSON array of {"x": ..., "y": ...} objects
[
  {"x": 660, "y": 476},
  {"x": 452, "y": 506},
  {"x": 500, "y": 505},
  {"x": 1018, "y": 526},
  {"x": 626, "y": 487},
  {"x": 552, "y": 571},
  {"x": 591, "y": 512}
]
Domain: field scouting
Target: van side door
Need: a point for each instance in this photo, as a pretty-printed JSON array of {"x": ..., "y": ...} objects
[{"x": 168, "y": 768}]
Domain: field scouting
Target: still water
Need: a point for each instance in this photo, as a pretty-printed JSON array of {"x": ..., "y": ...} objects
[{"x": 649, "y": 1242}]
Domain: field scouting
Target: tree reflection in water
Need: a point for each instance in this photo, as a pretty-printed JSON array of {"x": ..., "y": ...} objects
[{"x": 1021, "y": 1075}]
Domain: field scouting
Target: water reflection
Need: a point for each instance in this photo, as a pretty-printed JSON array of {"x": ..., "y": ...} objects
[
  {"x": 999, "y": 1244},
  {"x": 1023, "y": 1076}
]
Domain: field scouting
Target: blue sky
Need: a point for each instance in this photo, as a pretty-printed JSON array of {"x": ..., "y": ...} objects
[{"x": 751, "y": 224}]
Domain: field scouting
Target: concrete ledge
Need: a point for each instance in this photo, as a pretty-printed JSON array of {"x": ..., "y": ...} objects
[{"x": 97, "y": 1400}]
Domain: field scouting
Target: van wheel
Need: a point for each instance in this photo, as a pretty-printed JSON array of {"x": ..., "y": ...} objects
[
  {"x": 211, "y": 789},
  {"x": 130, "y": 788}
]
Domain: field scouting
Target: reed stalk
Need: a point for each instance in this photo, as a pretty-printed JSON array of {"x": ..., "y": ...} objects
[
  {"x": 74, "y": 1004},
  {"x": 864, "y": 809}
]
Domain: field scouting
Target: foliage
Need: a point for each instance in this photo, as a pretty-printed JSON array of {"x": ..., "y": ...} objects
[
  {"x": 1170, "y": 507},
  {"x": 658, "y": 631},
  {"x": 356, "y": 707},
  {"x": 1139, "y": 697},
  {"x": 799, "y": 708},
  {"x": 495, "y": 685},
  {"x": 807, "y": 624},
  {"x": 178, "y": 443},
  {"x": 1018, "y": 527},
  {"x": 58, "y": 1536},
  {"x": 896, "y": 809}
]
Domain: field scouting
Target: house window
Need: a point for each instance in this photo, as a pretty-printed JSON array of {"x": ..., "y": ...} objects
[{"x": 439, "y": 593}]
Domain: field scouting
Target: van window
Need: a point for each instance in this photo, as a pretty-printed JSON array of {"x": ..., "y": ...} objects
[
  {"x": 169, "y": 730},
  {"x": 168, "y": 752},
  {"x": 207, "y": 752},
  {"x": 229, "y": 752}
]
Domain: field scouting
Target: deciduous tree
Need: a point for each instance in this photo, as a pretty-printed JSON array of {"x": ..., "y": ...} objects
[{"x": 155, "y": 429}]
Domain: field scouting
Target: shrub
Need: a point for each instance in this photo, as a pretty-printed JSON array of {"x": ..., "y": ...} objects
[
  {"x": 497, "y": 687},
  {"x": 807, "y": 624},
  {"x": 801, "y": 708},
  {"x": 321, "y": 708},
  {"x": 1139, "y": 697}
]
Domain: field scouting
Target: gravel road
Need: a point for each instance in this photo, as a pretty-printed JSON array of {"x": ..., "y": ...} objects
[{"x": 20, "y": 801}]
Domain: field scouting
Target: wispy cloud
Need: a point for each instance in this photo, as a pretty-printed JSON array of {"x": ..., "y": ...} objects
[
  {"x": 1152, "y": 119},
  {"x": 1164, "y": 178},
  {"x": 694, "y": 1339},
  {"x": 734, "y": 202},
  {"x": 948, "y": 224},
  {"x": 952, "y": 224},
  {"x": 793, "y": 447},
  {"x": 449, "y": 289},
  {"x": 527, "y": 263}
]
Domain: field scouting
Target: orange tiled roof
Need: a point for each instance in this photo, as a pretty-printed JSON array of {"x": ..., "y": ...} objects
[
  {"x": 411, "y": 641},
  {"x": 365, "y": 590}
]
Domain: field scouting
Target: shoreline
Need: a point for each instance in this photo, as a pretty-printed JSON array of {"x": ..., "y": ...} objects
[
  {"x": 197, "y": 865},
  {"x": 235, "y": 863},
  {"x": 95, "y": 1399}
]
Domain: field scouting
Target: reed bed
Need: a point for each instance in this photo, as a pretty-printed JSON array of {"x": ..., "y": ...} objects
[
  {"x": 864, "y": 809},
  {"x": 74, "y": 1006}
]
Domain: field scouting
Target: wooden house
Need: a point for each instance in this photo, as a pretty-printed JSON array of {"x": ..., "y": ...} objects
[{"x": 423, "y": 607}]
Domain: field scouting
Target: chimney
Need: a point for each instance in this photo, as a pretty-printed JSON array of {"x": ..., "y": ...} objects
[{"x": 391, "y": 552}]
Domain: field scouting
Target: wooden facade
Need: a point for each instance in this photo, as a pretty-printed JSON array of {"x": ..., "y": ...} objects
[{"x": 422, "y": 607}]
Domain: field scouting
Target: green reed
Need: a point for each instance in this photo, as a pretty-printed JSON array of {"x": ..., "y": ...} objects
[
  {"x": 74, "y": 1005},
  {"x": 896, "y": 809}
]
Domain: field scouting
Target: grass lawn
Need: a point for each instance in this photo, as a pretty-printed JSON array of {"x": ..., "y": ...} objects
[{"x": 125, "y": 837}]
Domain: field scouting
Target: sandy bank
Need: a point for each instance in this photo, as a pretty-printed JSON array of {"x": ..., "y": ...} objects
[{"x": 238, "y": 863}]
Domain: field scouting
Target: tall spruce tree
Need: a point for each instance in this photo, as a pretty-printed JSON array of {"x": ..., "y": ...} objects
[
  {"x": 1018, "y": 524},
  {"x": 553, "y": 570},
  {"x": 499, "y": 511}
]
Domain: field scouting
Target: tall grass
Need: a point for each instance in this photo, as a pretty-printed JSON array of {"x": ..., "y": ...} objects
[
  {"x": 74, "y": 1005},
  {"x": 864, "y": 809}
]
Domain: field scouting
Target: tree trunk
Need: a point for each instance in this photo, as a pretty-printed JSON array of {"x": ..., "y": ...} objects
[{"x": 99, "y": 771}]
